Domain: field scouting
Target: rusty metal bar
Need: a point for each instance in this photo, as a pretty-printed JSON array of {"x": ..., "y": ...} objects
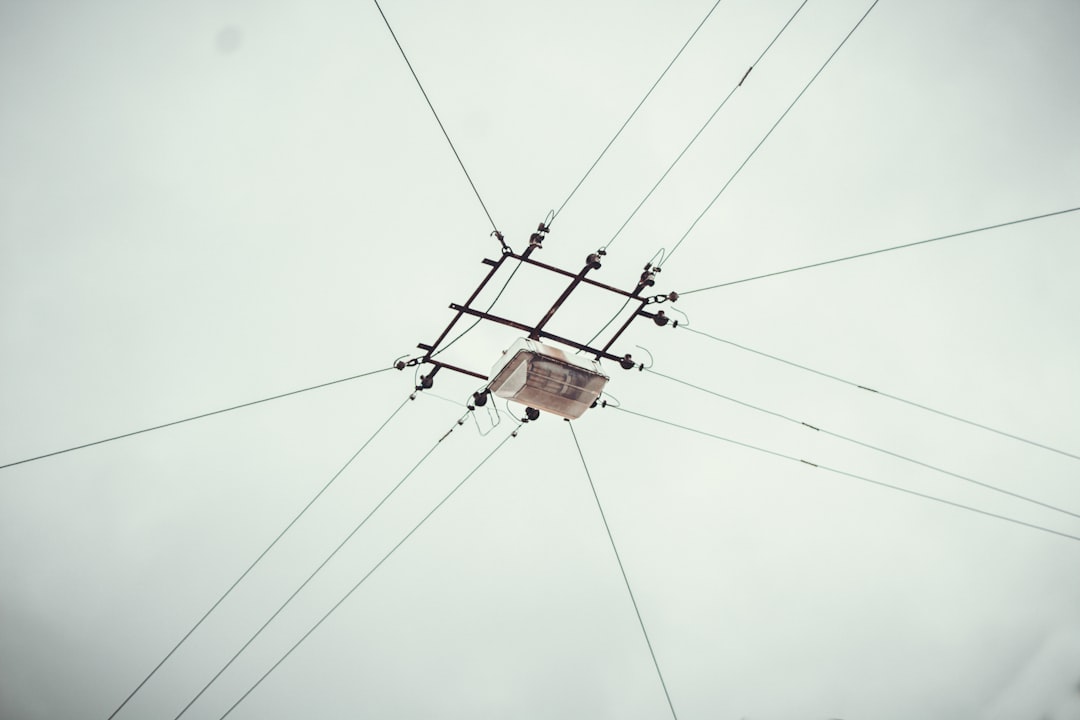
[
  {"x": 540, "y": 333},
  {"x": 589, "y": 265},
  {"x": 455, "y": 368},
  {"x": 559, "y": 271}
]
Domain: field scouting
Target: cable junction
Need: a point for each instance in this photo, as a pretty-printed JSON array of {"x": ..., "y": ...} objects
[
  {"x": 258, "y": 559},
  {"x": 869, "y": 446},
  {"x": 370, "y": 572},
  {"x": 323, "y": 564},
  {"x": 854, "y": 476},
  {"x": 770, "y": 132},
  {"x": 884, "y": 250},
  {"x": 622, "y": 569},
  {"x": 702, "y": 129},
  {"x": 193, "y": 417},
  {"x": 634, "y": 112},
  {"x": 881, "y": 393}
]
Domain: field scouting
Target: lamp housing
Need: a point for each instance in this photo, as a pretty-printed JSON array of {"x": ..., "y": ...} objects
[{"x": 545, "y": 377}]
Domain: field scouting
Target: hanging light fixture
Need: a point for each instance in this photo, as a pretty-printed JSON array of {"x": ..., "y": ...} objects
[{"x": 546, "y": 378}]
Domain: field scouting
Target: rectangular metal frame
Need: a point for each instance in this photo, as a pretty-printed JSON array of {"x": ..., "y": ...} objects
[{"x": 536, "y": 332}]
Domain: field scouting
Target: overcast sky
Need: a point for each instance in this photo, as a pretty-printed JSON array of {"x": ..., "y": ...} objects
[{"x": 207, "y": 203}]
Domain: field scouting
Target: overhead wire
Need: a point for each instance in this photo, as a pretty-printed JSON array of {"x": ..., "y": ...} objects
[
  {"x": 437, "y": 119},
  {"x": 757, "y": 147},
  {"x": 884, "y": 394},
  {"x": 622, "y": 569},
  {"x": 256, "y": 561},
  {"x": 193, "y": 417},
  {"x": 846, "y": 438},
  {"x": 370, "y": 572},
  {"x": 854, "y": 476},
  {"x": 883, "y": 250},
  {"x": 323, "y": 564},
  {"x": 702, "y": 128},
  {"x": 633, "y": 113}
]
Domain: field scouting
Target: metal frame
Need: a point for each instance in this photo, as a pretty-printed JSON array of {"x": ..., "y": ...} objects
[{"x": 537, "y": 332}]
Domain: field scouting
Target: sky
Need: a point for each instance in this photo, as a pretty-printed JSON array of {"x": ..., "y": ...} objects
[{"x": 208, "y": 203}]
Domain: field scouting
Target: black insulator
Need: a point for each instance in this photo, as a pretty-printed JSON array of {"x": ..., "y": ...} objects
[
  {"x": 532, "y": 413},
  {"x": 627, "y": 362},
  {"x": 426, "y": 382},
  {"x": 400, "y": 364},
  {"x": 673, "y": 296},
  {"x": 480, "y": 398},
  {"x": 648, "y": 279},
  {"x": 660, "y": 318},
  {"x": 593, "y": 261}
]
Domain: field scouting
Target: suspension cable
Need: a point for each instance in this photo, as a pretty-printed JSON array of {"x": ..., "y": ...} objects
[
  {"x": 881, "y": 393},
  {"x": 323, "y": 564},
  {"x": 257, "y": 559},
  {"x": 432, "y": 107},
  {"x": 884, "y": 250},
  {"x": 863, "y": 478},
  {"x": 193, "y": 417},
  {"x": 702, "y": 129},
  {"x": 633, "y": 113},
  {"x": 626, "y": 580},
  {"x": 770, "y": 132},
  {"x": 370, "y": 572},
  {"x": 875, "y": 448}
]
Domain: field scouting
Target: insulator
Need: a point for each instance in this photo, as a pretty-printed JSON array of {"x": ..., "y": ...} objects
[
  {"x": 593, "y": 261},
  {"x": 532, "y": 413},
  {"x": 627, "y": 362},
  {"x": 660, "y": 318},
  {"x": 400, "y": 364},
  {"x": 426, "y": 382},
  {"x": 480, "y": 398}
]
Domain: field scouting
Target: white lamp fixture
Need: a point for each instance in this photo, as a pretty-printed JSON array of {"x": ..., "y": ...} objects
[{"x": 548, "y": 379}]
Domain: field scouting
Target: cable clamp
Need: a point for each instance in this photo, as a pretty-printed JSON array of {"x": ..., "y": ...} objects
[
  {"x": 670, "y": 297},
  {"x": 401, "y": 363}
]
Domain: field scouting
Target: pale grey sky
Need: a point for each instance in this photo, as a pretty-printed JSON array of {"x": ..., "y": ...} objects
[{"x": 207, "y": 203}]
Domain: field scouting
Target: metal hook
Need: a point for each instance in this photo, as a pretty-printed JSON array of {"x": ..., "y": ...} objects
[
  {"x": 686, "y": 322},
  {"x": 643, "y": 366}
]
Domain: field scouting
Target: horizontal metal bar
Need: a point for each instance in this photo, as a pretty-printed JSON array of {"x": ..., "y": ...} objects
[
  {"x": 455, "y": 368},
  {"x": 567, "y": 273},
  {"x": 533, "y": 331}
]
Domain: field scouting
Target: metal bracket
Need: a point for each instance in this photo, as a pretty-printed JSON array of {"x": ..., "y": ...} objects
[{"x": 536, "y": 332}]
